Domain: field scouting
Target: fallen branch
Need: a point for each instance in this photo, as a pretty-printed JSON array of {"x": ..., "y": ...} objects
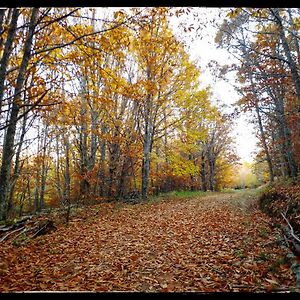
[
  {"x": 48, "y": 226},
  {"x": 5, "y": 228},
  {"x": 292, "y": 233},
  {"x": 6, "y": 236},
  {"x": 16, "y": 224},
  {"x": 23, "y": 231}
]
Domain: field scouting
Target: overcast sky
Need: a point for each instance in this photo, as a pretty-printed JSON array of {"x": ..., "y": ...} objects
[{"x": 224, "y": 92}]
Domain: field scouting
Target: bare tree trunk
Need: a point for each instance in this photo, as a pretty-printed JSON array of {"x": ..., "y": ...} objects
[
  {"x": 147, "y": 148},
  {"x": 37, "y": 192},
  {"x": 57, "y": 170},
  {"x": 37, "y": 207},
  {"x": 287, "y": 151},
  {"x": 17, "y": 168},
  {"x": 113, "y": 167},
  {"x": 44, "y": 170},
  {"x": 29, "y": 192},
  {"x": 7, "y": 52},
  {"x": 84, "y": 185},
  {"x": 203, "y": 172},
  {"x": 262, "y": 132},
  {"x": 122, "y": 189},
  {"x": 8, "y": 146},
  {"x": 211, "y": 164},
  {"x": 2, "y": 15},
  {"x": 292, "y": 64},
  {"x": 94, "y": 141},
  {"x": 102, "y": 173},
  {"x": 67, "y": 179},
  {"x": 294, "y": 35},
  {"x": 263, "y": 138}
]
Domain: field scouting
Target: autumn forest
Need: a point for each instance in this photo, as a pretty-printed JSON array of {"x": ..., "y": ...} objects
[{"x": 119, "y": 170}]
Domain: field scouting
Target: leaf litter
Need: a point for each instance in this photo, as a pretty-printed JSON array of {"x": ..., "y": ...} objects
[{"x": 204, "y": 244}]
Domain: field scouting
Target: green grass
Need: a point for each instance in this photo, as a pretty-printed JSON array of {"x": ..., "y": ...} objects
[
  {"x": 243, "y": 194},
  {"x": 191, "y": 194},
  {"x": 188, "y": 194},
  {"x": 180, "y": 194}
]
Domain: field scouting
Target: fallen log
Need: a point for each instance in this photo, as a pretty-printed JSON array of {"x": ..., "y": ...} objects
[
  {"x": 16, "y": 224},
  {"x": 44, "y": 227},
  {"x": 5, "y": 228},
  {"x": 34, "y": 229}
]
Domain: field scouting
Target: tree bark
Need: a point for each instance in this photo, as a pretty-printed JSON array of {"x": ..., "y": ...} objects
[
  {"x": 211, "y": 163},
  {"x": 17, "y": 168},
  {"x": 263, "y": 138},
  {"x": 2, "y": 16},
  {"x": 102, "y": 173},
  {"x": 203, "y": 172},
  {"x": 292, "y": 64},
  {"x": 147, "y": 149},
  {"x": 7, "y": 52},
  {"x": 67, "y": 179},
  {"x": 8, "y": 146},
  {"x": 45, "y": 168}
]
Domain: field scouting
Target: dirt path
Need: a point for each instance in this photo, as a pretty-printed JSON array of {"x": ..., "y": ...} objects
[{"x": 219, "y": 242}]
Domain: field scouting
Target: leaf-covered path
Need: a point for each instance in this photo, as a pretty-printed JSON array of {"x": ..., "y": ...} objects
[{"x": 219, "y": 242}]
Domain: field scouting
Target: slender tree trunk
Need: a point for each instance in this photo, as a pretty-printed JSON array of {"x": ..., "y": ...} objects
[
  {"x": 287, "y": 151},
  {"x": 84, "y": 185},
  {"x": 263, "y": 138},
  {"x": 157, "y": 185},
  {"x": 57, "y": 170},
  {"x": 211, "y": 163},
  {"x": 8, "y": 146},
  {"x": 29, "y": 193},
  {"x": 17, "y": 168},
  {"x": 167, "y": 183},
  {"x": 262, "y": 132},
  {"x": 122, "y": 188},
  {"x": 101, "y": 174},
  {"x": 37, "y": 207},
  {"x": 7, "y": 52},
  {"x": 113, "y": 157},
  {"x": 147, "y": 148},
  {"x": 203, "y": 173},
  {"x": 277, "y": 95},
  {"x": 44, "y": 170},
  {"x": 94, "y": 141},
  {"x": 2, "y": 15},
  {"x": 67, "y": 179},
  {"x": 287, "y": 51},
  {"x": 294, "y": 35}
]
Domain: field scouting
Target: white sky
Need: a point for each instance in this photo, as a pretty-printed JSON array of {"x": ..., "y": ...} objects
[{"x": 223, "y": 91}]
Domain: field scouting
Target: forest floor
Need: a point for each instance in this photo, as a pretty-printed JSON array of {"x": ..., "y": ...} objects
[{"x": 217, "y": 242}]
